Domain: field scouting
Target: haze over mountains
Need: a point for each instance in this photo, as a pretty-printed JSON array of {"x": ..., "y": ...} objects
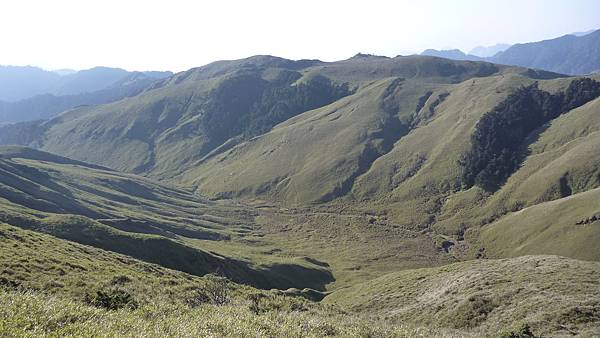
[
  {"x": 487, "y": 51},
  {"x": 35, "y": 94},
  {"x": 573, "y": 54},
  {"x": 30, "y": 93},
  {"x": 443, "y": 197}
]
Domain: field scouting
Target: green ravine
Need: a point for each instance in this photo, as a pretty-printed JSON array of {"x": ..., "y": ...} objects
[{"x": 374, "y": 196}]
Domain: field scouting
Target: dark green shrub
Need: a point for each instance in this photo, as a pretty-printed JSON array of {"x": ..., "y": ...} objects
[
  {"x": 198, "y": 298},
  {"x": 120, "y": 280},
  {"x": 113, "y": 299},
  {"x": 9, "y": 284},
  {"x": 260, "y": 303},
  {"x": 255, "y": 302},
  {"x": 217, "y": 289},
  {"x": 472, "y": 311},
  {"x": 523, "y": 332}
]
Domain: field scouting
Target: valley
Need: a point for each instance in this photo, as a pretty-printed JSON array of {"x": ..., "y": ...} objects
[{"x": 374, "y": 196}]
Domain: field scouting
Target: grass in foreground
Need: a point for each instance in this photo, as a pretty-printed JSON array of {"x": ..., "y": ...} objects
[{"x": 32, "y": 314}]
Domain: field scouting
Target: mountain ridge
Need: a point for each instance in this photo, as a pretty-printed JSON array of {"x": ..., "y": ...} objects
[{"x": 572, "y": 54}]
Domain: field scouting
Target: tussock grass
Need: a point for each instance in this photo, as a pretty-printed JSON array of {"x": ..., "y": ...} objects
[
  {"x": 32, "y": 314},
  {"x": 557, "y": 296}
]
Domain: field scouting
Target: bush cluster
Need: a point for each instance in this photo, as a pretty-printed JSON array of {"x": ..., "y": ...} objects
[{"x": 112, "y": 299}]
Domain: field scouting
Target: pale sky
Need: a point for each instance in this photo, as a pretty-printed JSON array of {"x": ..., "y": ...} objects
[{"x": 177, "y": 35}]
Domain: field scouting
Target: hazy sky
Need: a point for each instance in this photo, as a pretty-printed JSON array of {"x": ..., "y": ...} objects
[{"x": 177, "y": 35}]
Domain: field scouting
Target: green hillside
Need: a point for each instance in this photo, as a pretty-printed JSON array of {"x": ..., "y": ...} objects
[
  {"x": 566, "y": 227},
  {"x": 140, "y": 218},
  {"x": 44, "y": 263},
  {"x": 45, "y": 282},
  {"x": 558, "y": 297},
  {"x": 324, "y": 154}
]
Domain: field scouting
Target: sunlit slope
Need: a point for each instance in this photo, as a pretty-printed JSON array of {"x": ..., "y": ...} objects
[
  {"x": 553, "y": 190},
  {"x": 35, "y": 261},
  {"x": 313, "y": 157},
  {"x": 393, "y": 138},
  {"x": 568, "y": 226},
  {"x": 555, "y": 295}
]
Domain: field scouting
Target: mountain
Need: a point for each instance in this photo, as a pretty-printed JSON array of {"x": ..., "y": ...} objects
[
  {"x": 45, "y": 106},
  {"x": 65, "y": 71},
  {"x": 89, "y": 80},
  {"x": 199, "y": 113},
  {"x": 454, "y": 54},
  {"x": 18, "y": 83},
  {"x": 392, "y": 136},
  {"x": 573, "y": 54},
  {"x": 489, "y": 51},
  {"x": 584, "y": 33},
  {"x": 568, "y": 54}
]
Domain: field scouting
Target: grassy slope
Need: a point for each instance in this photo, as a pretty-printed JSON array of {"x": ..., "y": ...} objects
[
  {"x": 140, "y": 218},
  {"x": 327, "y": 152},
  {"x": 45, "y": 263},
  {"x": 563, "y": 161},
  {"x": 423, "y": 167},
  {"x": 43, "y": 281},
  {"x": 557, "y": 296},
  {"x": 34, "y": 315},
  {"x": 53, "y": 276},
  {"x": 549, "y": 227},
  {"x": 284, "y": 164}
]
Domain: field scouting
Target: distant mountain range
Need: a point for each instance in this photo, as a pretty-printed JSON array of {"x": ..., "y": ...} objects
[
  {"x": 572, "y": 54},
  {"x": 18, "y": 83},
  {"x": 488, "y": 51},
  {"x": 45, "y": 106},
  {"x": 30, "y": 93},
  {"x": 454, "y": 54}
]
